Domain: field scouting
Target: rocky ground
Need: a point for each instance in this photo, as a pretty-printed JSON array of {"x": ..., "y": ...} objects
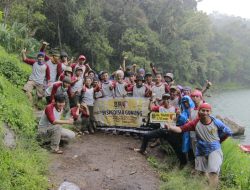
[{"x": 103, "y": 162}]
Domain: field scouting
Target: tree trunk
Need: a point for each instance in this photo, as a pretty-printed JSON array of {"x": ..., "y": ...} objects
[{"x": 59, "y": 33}]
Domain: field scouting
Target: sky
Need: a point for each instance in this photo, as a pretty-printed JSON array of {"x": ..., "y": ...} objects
[{"x": 229, "y": 7}]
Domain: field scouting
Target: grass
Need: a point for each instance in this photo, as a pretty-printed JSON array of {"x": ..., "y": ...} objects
[
  {"x": 235, "y": 173},
  {"x": 23, "y": 167}
]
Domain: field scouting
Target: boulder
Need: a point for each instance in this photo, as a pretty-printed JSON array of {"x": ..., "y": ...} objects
[
  {"x": 68, "y": 186},
  {"x": 235, "y": 127},
  {"x": 9, "y": 139}
]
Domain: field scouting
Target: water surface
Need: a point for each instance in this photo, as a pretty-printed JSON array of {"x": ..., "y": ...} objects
[{"x": 234, "y": 105}]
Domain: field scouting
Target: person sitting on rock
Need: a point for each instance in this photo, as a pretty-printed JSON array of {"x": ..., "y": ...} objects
[
  {"x": 49, "y": 127},
  {"x": 210, "y": 132}
]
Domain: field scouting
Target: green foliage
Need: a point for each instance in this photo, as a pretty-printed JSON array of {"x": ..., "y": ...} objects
[
  {"x": 28, "y": 12},
  {"x": 13, "y": 69},
  {"x": 1, "y": 16},
  {"x": 24, "y": 166},
  {"x": 15, "y": 37},
  {"x": 236, "y": 166},
  {"x": 13, "y": 102}
]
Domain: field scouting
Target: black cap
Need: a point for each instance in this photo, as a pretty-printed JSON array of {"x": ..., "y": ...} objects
[{"x": 148, "y": 75}]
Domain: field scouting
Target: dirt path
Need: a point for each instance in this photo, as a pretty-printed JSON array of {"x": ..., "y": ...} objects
[{"x": 103, "y": 162}]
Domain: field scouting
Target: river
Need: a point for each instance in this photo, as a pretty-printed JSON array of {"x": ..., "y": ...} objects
[{"x": 234, "y": 105}]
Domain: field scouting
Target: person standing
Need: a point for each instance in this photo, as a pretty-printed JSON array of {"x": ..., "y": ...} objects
[
  {"x": 210, "y": 132},
  {"x": 40, "y": 73}
]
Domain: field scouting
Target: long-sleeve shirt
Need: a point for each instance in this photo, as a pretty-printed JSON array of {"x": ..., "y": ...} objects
[
  {"x": 208, "y": 136},
  {"x": 40, "y": 71}
]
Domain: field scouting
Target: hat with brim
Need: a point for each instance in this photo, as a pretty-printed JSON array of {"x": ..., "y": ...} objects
[
  {"x": 169, "y": 75},
  {"x": 68, "y": 69},
  {"x": 67, "y": 80}
]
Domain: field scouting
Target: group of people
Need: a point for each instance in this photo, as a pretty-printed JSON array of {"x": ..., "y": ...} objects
[{"x": 71, "y": 90}]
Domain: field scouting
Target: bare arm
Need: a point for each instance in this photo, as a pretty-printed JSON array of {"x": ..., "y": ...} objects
[{"x": 60, "y": 121}]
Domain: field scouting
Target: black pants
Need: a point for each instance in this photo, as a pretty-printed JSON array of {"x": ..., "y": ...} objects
[{"x": 174, "y": 139}]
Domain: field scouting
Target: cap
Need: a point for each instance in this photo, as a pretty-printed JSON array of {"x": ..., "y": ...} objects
[
  {"x": 180, "y": 87},
  {"x": 78, "y": 68},
  {"x": 139, "y": 78},
  {"x": 130, "y": 74},
  {"x": 41, "y": 54},
  {"x": 173, "y": 88},
  {"x": 67, "y": 80},
  {"x": 205, "y": 106},
  {"x": 166, "y": 95},
  {"x": 81, "y": 57},
  {"x": 141, "y": 70},
  {"x": 63, "y": 54},
  {"x": 187, "y": 88},
  {"x": 55, "y": 53},
  {"x": 170, "y": 75},
  {"x": 68, "y": 69}
]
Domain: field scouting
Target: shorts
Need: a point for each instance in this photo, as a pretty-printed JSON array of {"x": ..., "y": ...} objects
[
  {"x": 210, "y": 163},
  {"x": 30, "y": 85}
]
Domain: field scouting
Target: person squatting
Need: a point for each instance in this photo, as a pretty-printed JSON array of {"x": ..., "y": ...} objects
[{"x": 72, "y": 87}]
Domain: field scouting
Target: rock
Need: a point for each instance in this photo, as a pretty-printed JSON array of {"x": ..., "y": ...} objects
[
  {"x": 68, "y": 186},
  {"x": 9, "y": 137},
  {"x": 236, "y": 128}
]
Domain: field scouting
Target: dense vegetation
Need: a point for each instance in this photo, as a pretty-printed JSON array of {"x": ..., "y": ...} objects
[
  {"x": 172, "y": 34},
  {"x": 23, "y": 167}
]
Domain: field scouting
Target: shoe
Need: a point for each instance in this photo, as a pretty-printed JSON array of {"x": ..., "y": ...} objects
[
  {"x": 91, "y": 130},
  {"x": 57, "y": 151},
  {"x": 86, "y": 132},
  {"x": 140, "y": 151},
  {"x": 154, "y": 144}
]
